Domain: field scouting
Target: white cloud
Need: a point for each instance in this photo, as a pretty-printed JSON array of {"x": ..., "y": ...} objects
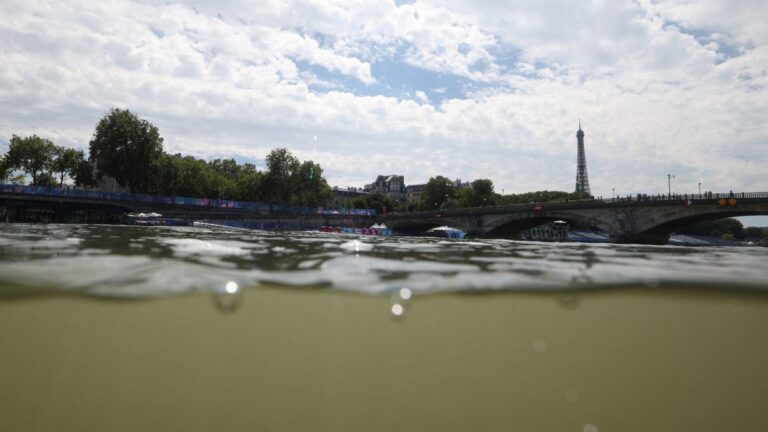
[{"x": 660, "y": 87}]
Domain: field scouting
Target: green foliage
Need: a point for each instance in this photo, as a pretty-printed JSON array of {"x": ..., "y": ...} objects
[
  {"x": 127, "y": 148},
  {"x": 755, "y": 232},
  {"x": 65, "y": 162},
  {"x": 310, "y": 187},
  {"x": 437, "y": 191},
  {"x": 376, "y": 201},
  {"x": 717, "y": 228},
  {"x": 542, "y": 196},
  {"x": 5, "y": 170},
  {"x": 83, "y": 173},
  {"x": 479, "y": 195},
  {"x": 282, "y": 168},
  {"x": 130, "y": 150},
  {"x": 32, "y": 155},
  {"x": 46, "y": 179}
]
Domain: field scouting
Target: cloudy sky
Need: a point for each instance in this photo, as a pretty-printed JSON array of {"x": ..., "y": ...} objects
[{"x": 481, "y": 89}]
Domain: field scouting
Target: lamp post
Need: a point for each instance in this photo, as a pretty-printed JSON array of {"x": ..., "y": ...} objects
[
  {"x": 613, "y": 192},
  {"x": 699, "y": 189},
  {"x": 669, "y": 184}
]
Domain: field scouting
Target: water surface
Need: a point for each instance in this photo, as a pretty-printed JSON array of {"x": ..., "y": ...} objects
[{"x": 127, "y": 328}]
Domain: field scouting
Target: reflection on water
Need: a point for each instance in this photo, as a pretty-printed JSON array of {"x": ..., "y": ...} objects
[{"x": 128, "y": 261}]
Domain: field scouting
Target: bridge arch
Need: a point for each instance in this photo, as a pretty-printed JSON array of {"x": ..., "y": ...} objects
[
  {"x": 671, "y": 225},
  {"x": 514, "y": 224}
]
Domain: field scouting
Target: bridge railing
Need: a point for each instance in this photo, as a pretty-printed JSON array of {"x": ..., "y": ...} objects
[
  {"x": 692, "y": 197},
  {"x": 174, "y": 200},
  {"x": 581, "y": 203}
]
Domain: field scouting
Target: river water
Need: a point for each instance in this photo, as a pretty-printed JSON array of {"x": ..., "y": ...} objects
[{"x": 148, "y": 328}]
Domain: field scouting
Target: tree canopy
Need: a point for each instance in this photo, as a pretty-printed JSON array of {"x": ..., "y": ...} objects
[
  {"x": 717, "y": 228},
  {"x": 127, "y": 148},
  {"x": 437, "y": 191},
  {"x": 32, "y": 155}
]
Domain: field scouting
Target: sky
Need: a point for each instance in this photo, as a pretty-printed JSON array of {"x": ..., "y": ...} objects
[{"x": 482, "y": 89}]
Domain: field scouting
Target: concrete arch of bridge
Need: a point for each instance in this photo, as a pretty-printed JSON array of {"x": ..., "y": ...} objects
[
  {"x": 669, "y": 227},
  {"x": 513, "y": 226}
]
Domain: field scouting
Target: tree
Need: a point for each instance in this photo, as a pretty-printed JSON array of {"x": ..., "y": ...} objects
[
  {"x": 754, "y": 232},
  {"x": 5, "y": 170},
  {"x": 311, "y": 188},
  {"x": 375, "y": 201},
  {"x": 32, "y": 154},
  {"x": 65, "y": 162},
  {"x": 436, "y": 192},
  {"x": 717, "y": 228},
  {"x": 83, "y": 173},
  {"x": 127, "y": 148},
  {"x": 280, "y": 179}
]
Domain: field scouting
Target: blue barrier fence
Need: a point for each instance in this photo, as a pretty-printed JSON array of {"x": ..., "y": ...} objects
[{"x": 171, "y": 200}]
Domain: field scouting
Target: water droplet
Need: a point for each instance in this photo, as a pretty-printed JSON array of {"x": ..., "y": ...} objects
[
  {"x": 539, "y": 345},
  {"x": 397, "y": 310},
  {"x": 231, "y": 287},
  {"x": 589, "y": 427},
  {"x": 228, "y": 298},
  {"x": 405, "y": 294}
]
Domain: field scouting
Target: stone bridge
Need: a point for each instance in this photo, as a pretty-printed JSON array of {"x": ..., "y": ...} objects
[{"x": 640, "y": 220}]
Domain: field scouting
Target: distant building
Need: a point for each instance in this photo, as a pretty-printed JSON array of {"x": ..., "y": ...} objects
[
  {"x": 392, "y": 186},
  {"x": 458, "y": 184},
  {"x": 342, "y": 198},
  {"x": 413, "y": 192}
]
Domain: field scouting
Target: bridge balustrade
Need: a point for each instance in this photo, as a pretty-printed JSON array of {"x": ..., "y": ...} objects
[{"x": 174, "y": 200}]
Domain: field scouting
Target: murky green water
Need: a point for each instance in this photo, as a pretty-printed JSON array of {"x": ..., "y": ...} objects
[{"x": 130, "y": 328}]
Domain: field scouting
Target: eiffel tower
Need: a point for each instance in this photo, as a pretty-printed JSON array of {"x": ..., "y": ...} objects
[{"x": 582, "y": 180}]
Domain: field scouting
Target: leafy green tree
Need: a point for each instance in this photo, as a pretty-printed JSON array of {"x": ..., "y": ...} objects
[
  {"x": 281, "y": 169},
  {"x": 717, "y": 228},
  {"x": 5, "y": 170},
  {"x": 376, "y": 201},
  {"x": 127, "y": 148},
  {"x": 754, "y": 232},
  {"x": 250, "y": 184},
  {"x": 32, "y": 155},
  {"x": 543, "y": 196},
  {"x": 46, "y": 179},
  {"x": 65, "y": 162},
  {"x": 309, "y": 185},
  {"x": 437, "y": 191},
  {"x": 83, "y": 173}
]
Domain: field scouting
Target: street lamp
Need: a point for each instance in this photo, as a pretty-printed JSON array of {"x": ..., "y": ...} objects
[
  {"x": 699, "y": 189},
  {"x": 669, "y": 184},
  {"x": 613, "y": 191}
]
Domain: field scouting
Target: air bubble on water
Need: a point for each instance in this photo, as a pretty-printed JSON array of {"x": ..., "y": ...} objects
[
  {"x": 231, "y": 287},
  {"x": 402, "y": 296},
  {"x": 228, "y": 297},
  {"x": 398, "y": 311},
  {"x": 540, "y": 345},
  {"x": 405, "y": 293},
  {"x": 589, "y": 427}
]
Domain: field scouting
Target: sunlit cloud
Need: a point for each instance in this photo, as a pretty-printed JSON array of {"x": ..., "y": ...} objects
[{"x": 464, "y": 89}]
